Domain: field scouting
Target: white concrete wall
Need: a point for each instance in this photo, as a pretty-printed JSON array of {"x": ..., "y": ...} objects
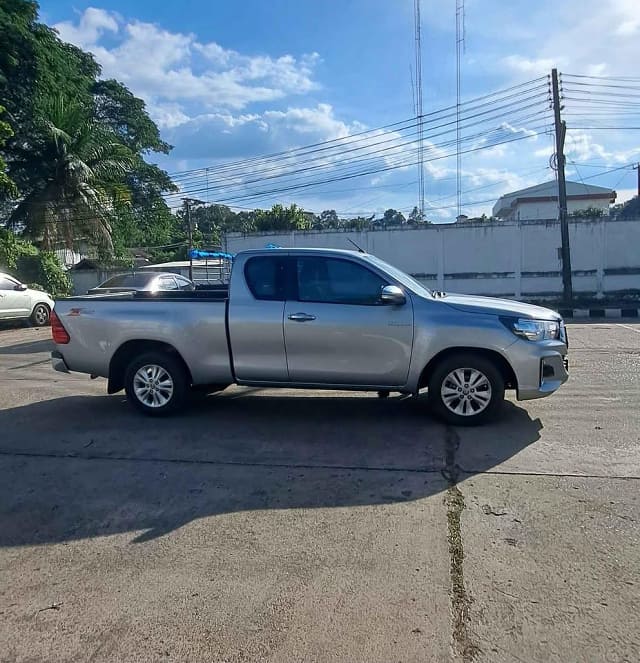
[
  {"x": 501, "y": 258},
  {"x": 549, "y": 209}
]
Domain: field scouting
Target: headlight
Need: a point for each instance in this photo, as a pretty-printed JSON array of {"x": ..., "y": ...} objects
[{"x": 533, "y": 330}]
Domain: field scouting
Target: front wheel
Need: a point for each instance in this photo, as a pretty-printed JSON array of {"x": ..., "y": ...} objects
[
  {"x": 40, "y": 315},
  {"x": 156, "y": 383},
  {"x": 466, "y": 389}
]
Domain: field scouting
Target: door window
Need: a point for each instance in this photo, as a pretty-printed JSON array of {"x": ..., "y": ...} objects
[
  {"x": 337, "y": 281},
  {"x": 7, "y": 283},
  {"x": 265, "y": 277},
  {"x": 184, "y": 284},
  {"x": 167, "y": 283}
]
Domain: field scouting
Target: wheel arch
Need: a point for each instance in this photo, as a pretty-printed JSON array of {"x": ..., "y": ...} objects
[
  {"x": 41, "y": 302},
  {"x": 123, "y": 356},
  {"x": 32, "y": 312},
  {"x": 501, "y": 363}
]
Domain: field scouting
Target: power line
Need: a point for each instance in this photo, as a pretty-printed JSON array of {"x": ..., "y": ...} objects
[
  {"x": 471, "y": 105},
  {"x": 396, "y": 146}
]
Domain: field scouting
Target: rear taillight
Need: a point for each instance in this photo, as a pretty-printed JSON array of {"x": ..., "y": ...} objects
[{"x": 59, "y": 333}]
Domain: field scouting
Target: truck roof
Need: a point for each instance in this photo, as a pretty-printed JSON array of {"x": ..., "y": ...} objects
[{"x": 283, "y": 249}]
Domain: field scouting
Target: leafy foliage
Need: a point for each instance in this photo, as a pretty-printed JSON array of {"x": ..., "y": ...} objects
[
  {"x": 78, "y": 145},
  {"x": 587, "y": 213},
  {"x": 40, "y": 269},
  {"x": 78, "y": 172},
  {"x": 44, "y": 269},
  {"x": 7, "y": 186}
]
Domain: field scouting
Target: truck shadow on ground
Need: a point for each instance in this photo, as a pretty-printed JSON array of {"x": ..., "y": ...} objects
[
  {"x": 87, "y": 466},
  {"x": 28, "y": 347}
]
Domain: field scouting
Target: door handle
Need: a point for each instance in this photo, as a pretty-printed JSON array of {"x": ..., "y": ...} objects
[{"x": 301, "y": 317}]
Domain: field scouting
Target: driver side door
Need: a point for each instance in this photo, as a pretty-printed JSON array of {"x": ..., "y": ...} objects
[{"x": 337, "y": 329}]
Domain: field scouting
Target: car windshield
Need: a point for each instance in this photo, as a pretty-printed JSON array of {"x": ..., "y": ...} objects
[
  {"x": 400, "y": 276},
  {"x": 127, "y": 281}
]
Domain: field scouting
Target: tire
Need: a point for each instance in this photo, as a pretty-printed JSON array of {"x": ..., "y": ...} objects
[
  {"x": 40, "y": 315},
  {"x": 466, "y": 389},
  {"x": 156, "y": 383}
]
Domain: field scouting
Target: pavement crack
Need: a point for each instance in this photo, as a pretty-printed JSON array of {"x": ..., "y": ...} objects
[
  {"x": 463, "y": 646},
  {"x": 76, "y": 455}
]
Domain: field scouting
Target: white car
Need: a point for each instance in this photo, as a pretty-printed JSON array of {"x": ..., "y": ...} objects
[{"x": 18, "y": 301}]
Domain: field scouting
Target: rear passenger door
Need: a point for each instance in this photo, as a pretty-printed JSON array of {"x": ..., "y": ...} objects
[
  {"x": 255, "y": 321},
  {"x": 339, "y": 332}
]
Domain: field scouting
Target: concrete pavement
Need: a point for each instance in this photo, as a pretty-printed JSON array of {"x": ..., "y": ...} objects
[{"x": 286, "y": 526}]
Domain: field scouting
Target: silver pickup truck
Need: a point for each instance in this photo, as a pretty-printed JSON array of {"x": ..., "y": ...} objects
[{"x": 319, "y": 319}]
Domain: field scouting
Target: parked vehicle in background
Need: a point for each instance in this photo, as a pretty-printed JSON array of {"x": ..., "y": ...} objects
[
  {"x": 143, "y": 282},
  {"x": 19, "y": 301},
  {"x": 315, "y": 318}
]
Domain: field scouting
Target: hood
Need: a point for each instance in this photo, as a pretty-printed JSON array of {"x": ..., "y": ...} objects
[
  {"x": 494, "y": 306},
  {"x": 38, "y": 294}
]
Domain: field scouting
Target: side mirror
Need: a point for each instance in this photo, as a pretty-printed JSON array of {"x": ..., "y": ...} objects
[
  {"x": 392, "y": 294},
  {"x": 21, "y": 287}
]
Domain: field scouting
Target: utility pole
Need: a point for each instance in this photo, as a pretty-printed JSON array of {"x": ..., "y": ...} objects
[
  {"x": 418, "y": 98},
  {"x": 561, "y": 130},
  {"x": 187, "y": 208},
  {"x": 637, "y": 167},
  {"x": 460, "y": 46}
]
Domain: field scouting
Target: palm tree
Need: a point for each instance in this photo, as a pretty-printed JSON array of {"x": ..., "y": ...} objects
[{"x": 81, "y": 168}]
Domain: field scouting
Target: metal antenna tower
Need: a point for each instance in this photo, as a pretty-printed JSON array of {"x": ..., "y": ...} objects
[
  {"x": 418, "y": 100},
  {"x": 460, "y": 46}
]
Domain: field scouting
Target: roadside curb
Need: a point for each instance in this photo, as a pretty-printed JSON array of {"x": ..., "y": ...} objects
[{"x": 603, "y": 313}]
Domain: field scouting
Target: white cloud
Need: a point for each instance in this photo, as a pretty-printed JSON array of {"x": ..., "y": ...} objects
[
  {"x": 319, "y": 121},
  {"x": 224, "y": 135},
  {"x": 529, "y": 66},
  {"x": 90, "y": 27},
  {"x": 580, "y": 36},
  {"x": 581, "y": 146},
  {"x": 172, "y": 70},
  {"x": 626, "y": 194}
]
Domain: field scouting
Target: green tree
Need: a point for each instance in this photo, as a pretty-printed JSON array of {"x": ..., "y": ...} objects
[
  {"x": 415, "y": 217},
  {"x": 282, "y": 218},
  {"x": 392, "y": 217},
  {"x": 358, "y": 223},
  {"x": 78, "y": 174},
  {"x": 329, "y": 219},
  {"x": 7, "y": 186},
  {"x": 127, "y": 116},
  {"x": 36, "y": 66}
]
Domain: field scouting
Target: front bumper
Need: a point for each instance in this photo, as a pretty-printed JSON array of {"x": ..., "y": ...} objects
[
  {"x": 540, "y": 368},
  {"x": 58, "y": 363}
]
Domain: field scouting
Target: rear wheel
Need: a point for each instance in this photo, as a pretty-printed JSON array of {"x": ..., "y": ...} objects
[
  {"x": 466, "y": 389},
  {"x": 156, "y": 383},
  {"x": 40, "y": 315}
]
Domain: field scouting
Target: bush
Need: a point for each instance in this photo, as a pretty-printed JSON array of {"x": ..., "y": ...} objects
[
  {"x": 44, "y": 269},
  {"x": 12, "y": 248},
  {"x": 40, "y": 269}
]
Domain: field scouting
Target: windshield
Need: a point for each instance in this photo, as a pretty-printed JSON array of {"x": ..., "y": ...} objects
[{"x": 401, "y": 277}]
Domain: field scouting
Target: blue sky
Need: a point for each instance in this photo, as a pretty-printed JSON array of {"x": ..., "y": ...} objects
[{"x": 232, "y": 80}]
